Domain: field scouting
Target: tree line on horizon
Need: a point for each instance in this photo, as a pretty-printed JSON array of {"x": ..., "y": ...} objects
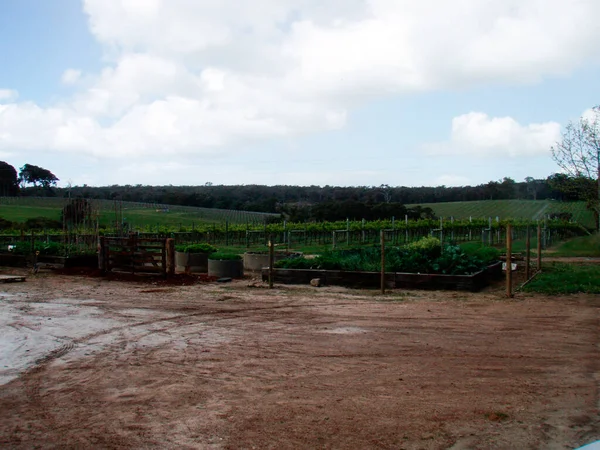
[
  {"x": 37, "y": 181},
  {"x": 302, "y": 203},
  {"x": 577, "y": 154}
]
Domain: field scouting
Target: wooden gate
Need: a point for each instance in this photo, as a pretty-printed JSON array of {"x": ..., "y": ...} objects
[{"x": 134, "y": 255}]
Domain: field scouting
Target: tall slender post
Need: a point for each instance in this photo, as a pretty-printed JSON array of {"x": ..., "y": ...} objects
[
  {"x": 382, "y": 238},
  {"x": 363, "y": 232},
  {"x": 527, "y": 254},
  {"x": 539, "y": 247},
  {"x": 101, "y": 254},
  {"x": 348, "y": 232},
  {"x": 470, "y": 230},
  {"x": 509, "y": 293},
  {"x": 171, "y": 256},
  {"x": 271, "y": 261}
]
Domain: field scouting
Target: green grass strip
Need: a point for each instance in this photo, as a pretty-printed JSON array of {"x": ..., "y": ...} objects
[{"x": 561, "y": 278}]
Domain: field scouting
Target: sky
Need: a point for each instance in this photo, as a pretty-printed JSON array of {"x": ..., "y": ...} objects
[{"x": 297, "y": 92}]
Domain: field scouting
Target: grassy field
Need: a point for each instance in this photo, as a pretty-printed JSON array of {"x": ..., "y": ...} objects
[
  {"x": 512, "y": 209},
  {"x": 560, "y": 278},
  {"x": 588, "y": 246},
  {"x": 137, "y": 214},
  {"x": 143, "y": 215}
]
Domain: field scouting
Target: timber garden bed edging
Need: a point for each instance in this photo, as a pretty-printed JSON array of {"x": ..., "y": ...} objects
[{"x": 399, "y": 280}]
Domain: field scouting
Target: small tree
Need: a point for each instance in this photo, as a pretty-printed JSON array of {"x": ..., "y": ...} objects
[
  {"x": 34, "y": 175},
  {"x": 76, "y": 212},
  {"x": 578, "y": 154}
]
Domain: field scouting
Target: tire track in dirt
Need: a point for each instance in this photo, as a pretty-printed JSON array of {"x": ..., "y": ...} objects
[
  {"x": 33, "y": 378},
  {"x": 122, "y": 397}
]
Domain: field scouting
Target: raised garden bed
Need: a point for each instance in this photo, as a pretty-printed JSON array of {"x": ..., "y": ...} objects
[
  {"x": 12, "y": 260},
  {"x": 71, "y": 261},
  {"x": 397, "y": 280}
]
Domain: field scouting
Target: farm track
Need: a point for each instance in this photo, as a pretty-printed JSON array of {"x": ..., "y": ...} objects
[{"x": 213, "y": 366}]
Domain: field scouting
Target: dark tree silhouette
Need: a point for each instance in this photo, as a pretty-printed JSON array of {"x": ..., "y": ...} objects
[
  {"x": 9, "y": 182},
  {"x": 33, "y": 175}
]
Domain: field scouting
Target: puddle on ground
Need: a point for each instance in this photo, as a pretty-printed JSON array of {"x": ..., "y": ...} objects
[{"x": 345, "y": 330}]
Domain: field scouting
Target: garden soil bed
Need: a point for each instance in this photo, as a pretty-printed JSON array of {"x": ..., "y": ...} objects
[{"x": 94, "y": 363}]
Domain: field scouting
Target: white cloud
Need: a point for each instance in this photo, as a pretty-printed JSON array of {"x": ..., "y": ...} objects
[
  {"x": 477, "y": 134},
  {"x": 592, "y": 117},
  {"x": 191, "y": 76},
  {"x": 451, "y": 180},
  {"x": 8, "y": 95},
  {"x": 71, "y": 76}
]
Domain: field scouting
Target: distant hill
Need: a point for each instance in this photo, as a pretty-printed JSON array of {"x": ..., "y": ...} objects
[
  {"x": 512, "y": 209},
  {"x": 19, "y": 209}
]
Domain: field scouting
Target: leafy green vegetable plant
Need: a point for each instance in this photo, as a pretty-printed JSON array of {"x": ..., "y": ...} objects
[
  {"x": 196, "y": 248},
  {"x": 222, "y": 256}
]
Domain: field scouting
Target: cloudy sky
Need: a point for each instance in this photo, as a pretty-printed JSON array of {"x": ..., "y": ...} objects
[{"x": 339, "y": 92}]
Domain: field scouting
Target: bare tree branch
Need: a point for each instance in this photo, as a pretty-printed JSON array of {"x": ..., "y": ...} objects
[{"x": 578, "y": 152}]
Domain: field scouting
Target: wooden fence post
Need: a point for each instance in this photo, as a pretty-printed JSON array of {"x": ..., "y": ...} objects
[
  {"x": 509, "y": 292},
  {"x": 163, "y": 258},
  {"x": 527, "y": 254},
  {"x": 539, "y": 248},
  {"x": 170, "y": 257},
  {"x": 101, "y": 254},
  {"x": 382, "y": 238},
  {"x": 271, "y": 261}
]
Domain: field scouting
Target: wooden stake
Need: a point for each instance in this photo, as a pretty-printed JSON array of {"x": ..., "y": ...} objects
[
  {"x": 170, "y": 257},
  {"x": 539, "y": 247},
  {"x": 527, "y": 254},
  {"x": 382, "y": 238},
  {"x": 271, "y": 261},
  {"x": 509, "y": 292},
  {"x": 101, "y": 254}
]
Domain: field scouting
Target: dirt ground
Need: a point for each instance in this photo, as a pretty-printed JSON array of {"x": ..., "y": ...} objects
[{"x": 227, "y": 366}]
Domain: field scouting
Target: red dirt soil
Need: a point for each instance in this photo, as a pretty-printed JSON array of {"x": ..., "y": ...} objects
[{"x": 227, "y": 366}]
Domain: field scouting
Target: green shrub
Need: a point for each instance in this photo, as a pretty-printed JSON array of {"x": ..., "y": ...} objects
[
  {"x": 49, "y": 249},
  {"x": 196, "y": 248},
  {"x": 6, "y": 224},
  {"x": 485, "y": 253},
  {"x": 296, "y": 263},
  {"x": 42, "y": 223},
  {"x": 429, "y": 247},
  {"x": 222, "y": 256},
  {"x": 454, "y": 261}
]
